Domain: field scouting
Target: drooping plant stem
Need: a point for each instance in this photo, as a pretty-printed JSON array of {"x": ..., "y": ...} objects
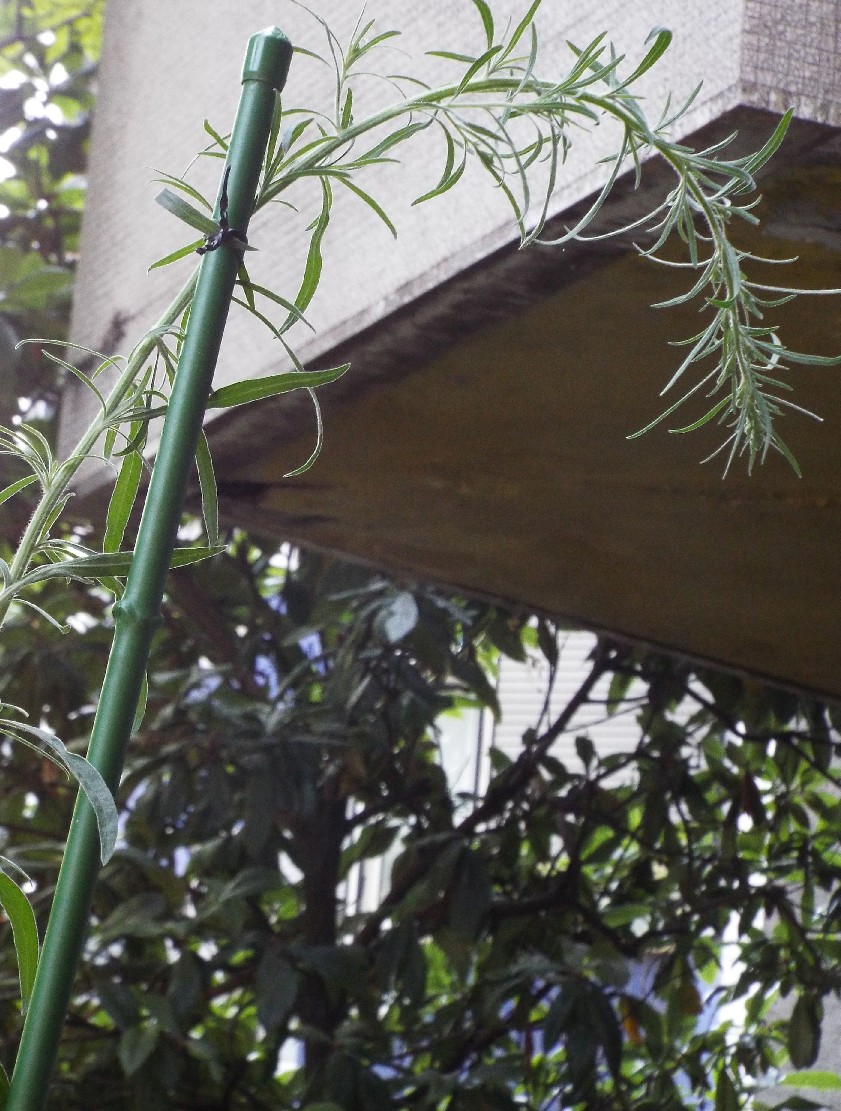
[{"x": 138, "y": 612}]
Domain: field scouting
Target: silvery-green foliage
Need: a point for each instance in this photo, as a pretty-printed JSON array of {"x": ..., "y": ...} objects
[{"x": 519, "y": 124}]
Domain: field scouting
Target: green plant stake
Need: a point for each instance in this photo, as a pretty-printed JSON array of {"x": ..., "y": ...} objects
[{"x": 138, "y": 613}]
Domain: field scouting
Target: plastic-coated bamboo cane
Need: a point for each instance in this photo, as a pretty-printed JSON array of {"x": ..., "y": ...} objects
[{"x": 138, "y": 614}]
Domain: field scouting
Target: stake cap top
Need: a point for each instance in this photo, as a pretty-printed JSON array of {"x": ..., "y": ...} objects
[{"x": 267, "y": 58}]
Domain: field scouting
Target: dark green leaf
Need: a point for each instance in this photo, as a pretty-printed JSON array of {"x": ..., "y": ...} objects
[
  {"x": 726, "y": 1096},
  {"x": 122, "y": 501},
  {"x": 209, "y": 496},
  {"x": 24, "y": 934},
  {"x": 559, "y": 1015},
  {"x": 471, "y": 894},
  {"x": 257, "y": 389},
  {"x": 277, "y": 989},
  {"x": 585, "y": 749},
  {"x": 119, "y": 1002},
  {"x": 185, "y": 985},
  {"x": 136, "y": 1046},
  {"x": 606, "y": 1024},
  {"x": 373, "y": 841},
  {"x": 804, "y": 1031}
]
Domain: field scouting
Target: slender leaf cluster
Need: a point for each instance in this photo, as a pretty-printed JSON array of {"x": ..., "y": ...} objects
[{"x": 520, "y": 128}]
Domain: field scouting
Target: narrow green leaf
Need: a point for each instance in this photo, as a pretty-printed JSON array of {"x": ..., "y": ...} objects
[
  {"x": 25, "y": 936},
  {"x": 520, "y": 29},
  {"x": 260, "y": 316},
  {"x": 708, "y": 416},
  {"x": 140, "y": 712},
  {"x": 80, "y": 375},
  {"x": 444, "y": 186},
  {"x": 292, "y": 309},
  {"x": 450, "y": 55},
  {"x": 450, "y": 176},
  {"x": 5, "y": 1088},
  {"x": 215, "y": 136},
  {"x": 182, "y": 252},
  {"x": 139, "y": 430},
  {"x": 184, "y": 557},
  {"x": 313, "y": 265},
  {"x": 122, "y": 501},
  {"x": 242, "y": 393},
  {"x": 96, "y": 791},
  {"x": 662, "y": 40},
  {"x": 487, "y": 20},
  {"x": 754, "y": 161},
  {"x": 319, "y": 440},
  {"x": 274, "y": 134},
  {"x": 16, "y": 487},
  {"x": 369, "y": 200},
  {"x": 376, "y": 40},
  {"x": 347, "y": 111},
  {"x": 247, "y": 288},
  {"x": 207, "y": 485},
  {"x": 393, "y": 140},
  {"x": 113, "y": 563},
  {"x": 477, "y": 65},
  {"x": 587, "y": 58},
  {"x": 42, "y": 613},
  {"x": 186, "y": 212},
  {"x": 185, "y": 187}
]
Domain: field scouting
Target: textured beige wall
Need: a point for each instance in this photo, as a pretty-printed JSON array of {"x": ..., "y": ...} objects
[
  {"x": 790, "y": 57},
  {"x": 168, "y": 66}
]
